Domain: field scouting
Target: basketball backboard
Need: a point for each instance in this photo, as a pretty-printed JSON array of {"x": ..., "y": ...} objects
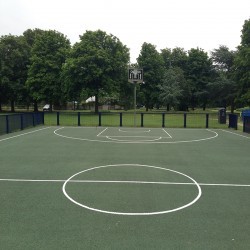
[{"x": 135, "y": 75}]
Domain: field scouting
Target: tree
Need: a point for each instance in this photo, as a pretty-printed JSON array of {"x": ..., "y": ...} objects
[
  {"x": 152, "y": 63},
  {"x": 48, "y": 54},
  {"x": 199, "y": 74},
  {"x": 170, "y": 88},
  {"x": 13, "y": 70},
  {"x": 97, "y": 64},
  {"x": 223, "y": 89},
  {"x": 242, "y": 65},
  {"x": 177, "y": 59}
]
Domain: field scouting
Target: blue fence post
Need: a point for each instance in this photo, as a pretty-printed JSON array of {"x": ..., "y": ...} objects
[
  {"x": 57, "y": 118},
  {"x": 7, "y": 124},
  {"x": 79, "y": 118},
  {"x": 33, "y": 119},
  {"x": 207, "y": 119},
  {"x": 120, "y": 119},
  {"x": 185, "y": 120},
  {"x": 43, "y": 118},
  {"x": 100, "y": 119},
  {"x": 21, "y": 121},
  {"x": 142, "y": 119},
  {"x": 163, "y": 120}
]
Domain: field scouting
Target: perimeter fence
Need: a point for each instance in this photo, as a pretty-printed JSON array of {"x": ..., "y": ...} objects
[
  {"x": 127, "y": 119},
  {"x": 19, "y": 121}
]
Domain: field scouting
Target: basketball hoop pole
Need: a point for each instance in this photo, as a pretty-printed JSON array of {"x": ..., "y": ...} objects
[
  {"x": 135, "y": 76},
  {"x": 135, "y": 103}
]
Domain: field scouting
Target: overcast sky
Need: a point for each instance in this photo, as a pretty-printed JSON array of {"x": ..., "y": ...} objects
[{"x": 164, "y": 23}]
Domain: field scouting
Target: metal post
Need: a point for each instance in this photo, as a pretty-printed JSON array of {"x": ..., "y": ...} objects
[
  {"x": 142, "y": 120},
  {"x": 79, "y": 118},
  {"x": 134, "y": 103},
  {"x": 163, "y": 120},
  {"x": 207, "y": 119},
  {"x": 185, "y": 120},
  {"x": 120, "y": 119}
]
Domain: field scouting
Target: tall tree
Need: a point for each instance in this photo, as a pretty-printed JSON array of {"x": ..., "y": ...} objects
[
  {"x": 152, "y": 63},
  {"x": 97, "y": 64},
  {"x": 170, "y": 88},
  {"x": 223, "y": 89},
  {"x": 242, "y": 65},
  {"x": 48, "y": 54},
  {"x": 199, "y": 74},
  {"x": 177, "y": 59},
  {"x": 13, "y": 70}
]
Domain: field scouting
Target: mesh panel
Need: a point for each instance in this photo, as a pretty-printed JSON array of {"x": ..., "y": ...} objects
[
  {"x": 2, "y": 124},
  {"x": 246, "y": 124}
]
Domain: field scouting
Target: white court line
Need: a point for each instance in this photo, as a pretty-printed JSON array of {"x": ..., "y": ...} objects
[
  {"x": 102, "y": 131},
  {"x": 167, "y": 133},
  {"x": 144, "y": 142},
  {"x": 235, "y": 134},
  {"x": 131, "y": 182},
  {"x": 23, "y": 134},
  {"x": 136, "y": 130}
]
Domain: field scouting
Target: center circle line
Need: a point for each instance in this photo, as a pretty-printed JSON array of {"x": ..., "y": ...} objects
[{"x": 129, "y": 213}]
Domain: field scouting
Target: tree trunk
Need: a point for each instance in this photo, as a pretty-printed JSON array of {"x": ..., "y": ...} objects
[
  {"x": 232, "y": 106},
  {"x": 12, "y": 104},
  {"x": 168, "y": 107},
  {"x": 35, "y": 106},
  {"x": 96, "y": 103}
]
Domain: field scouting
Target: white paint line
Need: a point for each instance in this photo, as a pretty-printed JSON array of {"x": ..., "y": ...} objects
[
  {"x": 136, "y": 130},
  {"x": 133, "y": 213},
  {"x": 130, "y": 182},
  {"x": 102, "y": 131},
  {"x": 146, "y": 140},
  {"x": 235, "y": 134},
  {"x": 142, "y": 142},
  {"x": 167, "y": 133},
  {"x": 15, "y": 136}
]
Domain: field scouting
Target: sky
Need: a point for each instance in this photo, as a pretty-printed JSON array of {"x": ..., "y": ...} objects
[{"x": 163, "y": 23}]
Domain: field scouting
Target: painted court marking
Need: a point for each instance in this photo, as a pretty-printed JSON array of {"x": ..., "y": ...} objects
[
  {"x": 137, "y": 182},
  {"x": 235, "y": 134},
  {"x": 134, "y": 131},
  {"x": 124, "y": 213},
  {"x": 31, "y": 132},
  {"x": 56, "y": 132}
]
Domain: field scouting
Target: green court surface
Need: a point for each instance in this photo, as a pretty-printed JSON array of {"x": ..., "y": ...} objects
[{"x": 124, "y": 188}]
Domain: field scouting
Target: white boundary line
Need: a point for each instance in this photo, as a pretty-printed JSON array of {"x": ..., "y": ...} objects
[
  {"x": 167, "y": 133},
  {"x": 135, "y": 130},
  {"x": 145, "y": 142},
  {"x": 130, "y": 182},
  {"x": 235, "y": 133},
  {"x": 102, "y": 132},
  {"x": 15, "y": 136}
]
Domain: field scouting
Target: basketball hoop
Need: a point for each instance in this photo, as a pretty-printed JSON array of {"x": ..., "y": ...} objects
[{"x": 135, "y": 75}]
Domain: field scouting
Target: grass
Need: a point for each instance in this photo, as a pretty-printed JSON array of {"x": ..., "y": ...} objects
[{"x": 175, "y": 120}]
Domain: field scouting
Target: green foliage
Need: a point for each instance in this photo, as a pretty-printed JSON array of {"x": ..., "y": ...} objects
[
  {"x": 223, "y": 90},
  {"x": 170, "y": 88},
  {"x": 242, "y": 64},
  {"x": 199, "y": 74},
  {"x": 152, "y": 63},
  {"x": 14, "y": 57},
  {"x": 49, "y": 52},
  {"x": 97, "y": 63}
]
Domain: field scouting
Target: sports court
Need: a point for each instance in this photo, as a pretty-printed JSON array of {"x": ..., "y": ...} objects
[{"x": 124, "y": 188}]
